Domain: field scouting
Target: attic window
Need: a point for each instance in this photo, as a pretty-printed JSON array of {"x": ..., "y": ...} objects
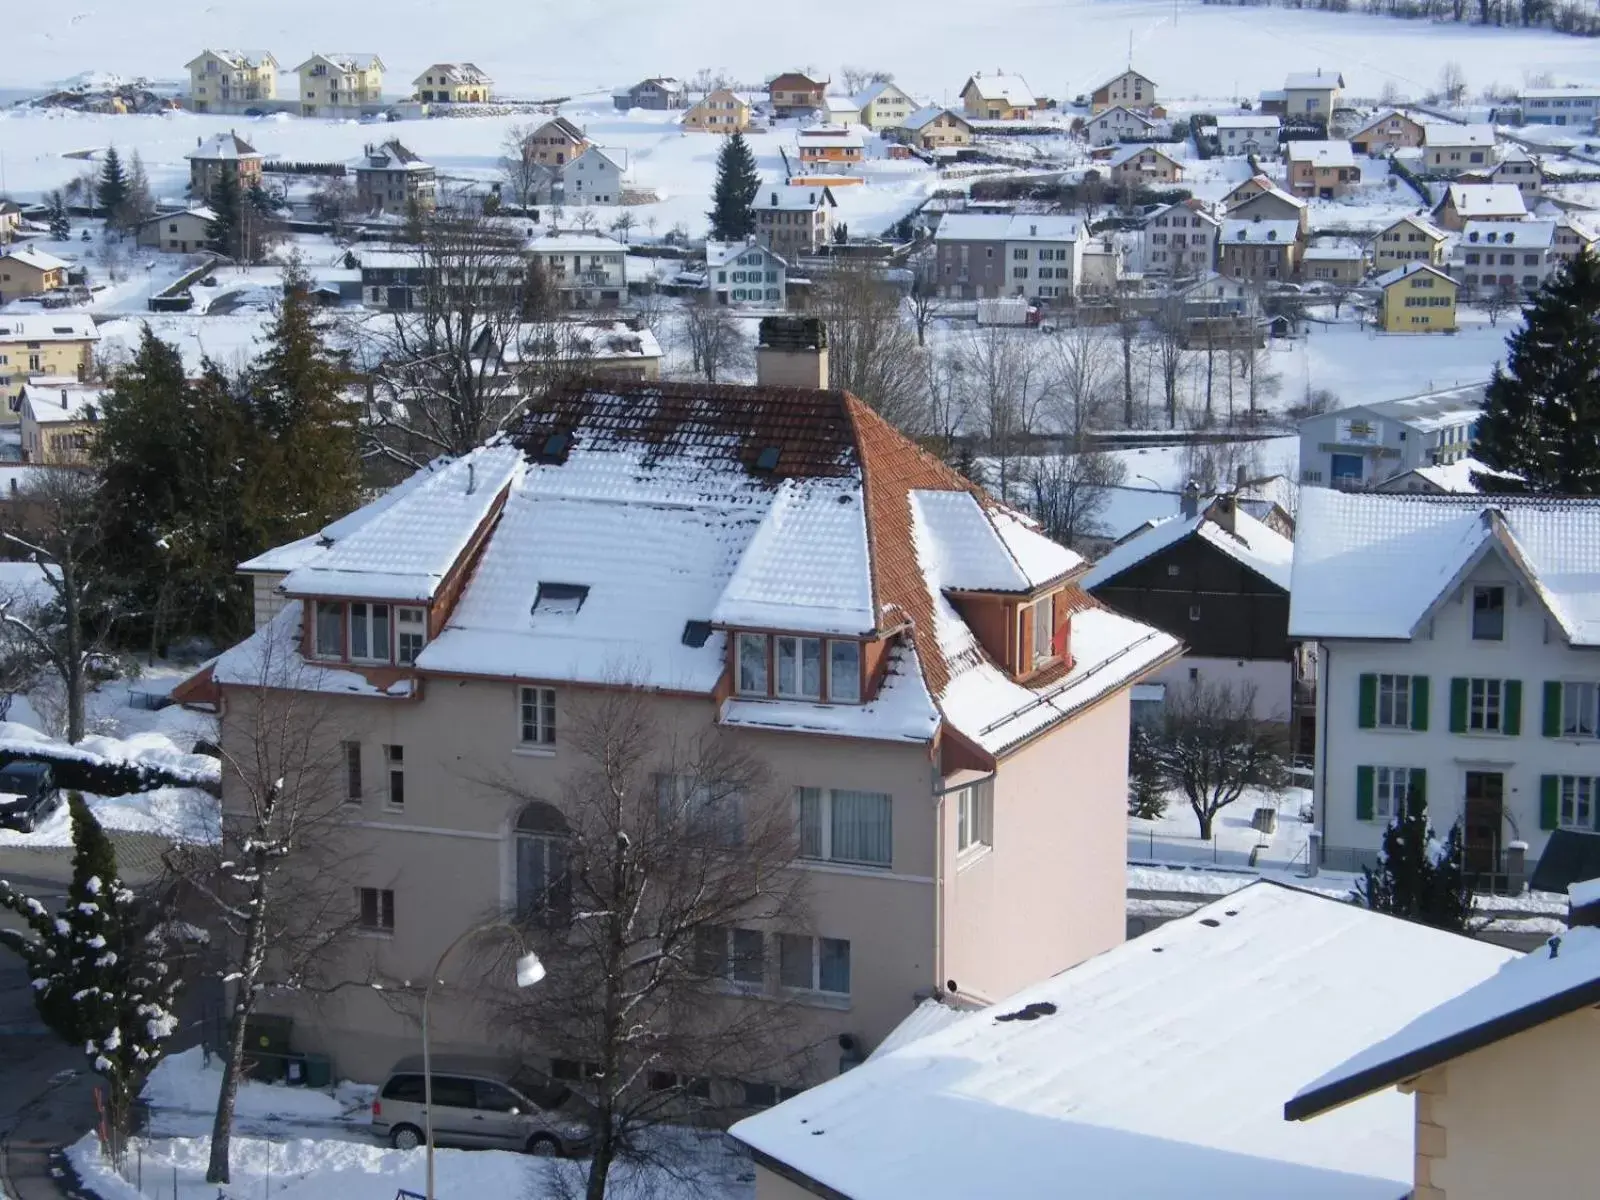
[
  {"x": 767, "y": 460},
  {"x": 555, "y": 448},
  {"x": 695, "y": 633},
  {"x": 560, "y": 599}
]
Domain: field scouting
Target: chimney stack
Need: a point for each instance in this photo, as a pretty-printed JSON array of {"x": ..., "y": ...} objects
[
  {"x": 1189, "y": 500},
  {"x": 1223, "y": 511},
  {"x": 792, "y": 352},
  {"x": 1583, "y": 903}
]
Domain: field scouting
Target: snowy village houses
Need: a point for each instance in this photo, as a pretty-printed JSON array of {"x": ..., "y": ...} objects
[
  {"x": 1143, "y": 166},
  {"x": 794, "y": 220},
  {"x": 55, "y": 344},
  {"x": 795, "y": 94},
  {"x": 1321, "y": 170},
  {"x": 1112, "y": 125},
  {"x": 884, "y": 105},
  {"x": 746, "y": 275},
  {"x": 185, "y": 231},
  {"x": 1455, "y": 666},
  {"x": 223, "y": 154},
  {"x": 825, "y": 149},
  {"x": 1450, "y": 149},
  {"x": 998, "y": 97},
  {"x": 1410, "y": 239},
  {"x": 1512, "y": 257},
  {"x": 392, "y": 180},
  {"x": 1578, "y": 106},
  {"x": 230, "y": 81},
  {"x": 586, "y": 269},
  {"x": 1248, "y": 133},
  {"x": 934, "y": 129},
  {"x": 719, "y": 111},
  {"x": 659, "y": 93},
  {"x": 1127, "y": 90},
  {"x": 58, "y": 418},
  {"x": 982, "y": 256},
  {"x": 555, "y": 143},
  {"x": 1390, "y": 130},
  {"x": 1180, "y": 240},
  {"x": 1313, "y": 94},
  {"x": 1463, "y": 202},
  {"x": 454, "y": 83},
  {"x": 594, "y": 177},
  {"x": 1417, "y": 298},
  {"x": 1367, "y": 446},
  {"x": 25, "y": 270},
  {"x": 945, "y": 710},
  {"x": 340, "y": 85}
]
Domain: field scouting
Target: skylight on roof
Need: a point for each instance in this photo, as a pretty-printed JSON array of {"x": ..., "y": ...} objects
[
  {"x": 555, "y": 448},
  {"x": 768, "y": 459},
  {"x": 695, "y": 633},
  {"x": 560, "y": 599}
]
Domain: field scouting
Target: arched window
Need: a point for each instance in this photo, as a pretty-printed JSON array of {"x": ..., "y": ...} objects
[{"x": 543, "y": 884}]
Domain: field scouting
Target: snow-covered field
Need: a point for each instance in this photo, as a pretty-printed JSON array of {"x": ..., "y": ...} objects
[{"x": 552, "y": 50}]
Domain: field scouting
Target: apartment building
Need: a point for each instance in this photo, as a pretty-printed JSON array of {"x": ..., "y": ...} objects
[
  {"x": 340, "y": 85},
  {"x": 794, "y": 219},
  {"x": 1561, "y": 106},
  {"x": 1129, "y": 89},
  {"x": 942, "y": 711},
  {"x": 980, "y": 256},
  {"x": 1321, "y": 170},
  {"x": 391, "y": 179},
  {"x": 585, "y": 269},
  {"x": 1455, "y": 668},
  {"x": 1410, "y": 239},
  {"x": 1449, "y": 149},
  {"x": 60, "y": 345},
  {"x": 1181, "y": 240},
  {"x": 1515, "y": 256},
  {"x": 1369, "y": 444},
  {"x": 1259, "y": 250},
  {"x": 230, "y": 81}
]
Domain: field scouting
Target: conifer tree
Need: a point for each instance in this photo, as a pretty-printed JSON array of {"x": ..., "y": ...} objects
[
  {"x": 225, "y": 231},
  {"x": 1541, "y": 420},
  {"x": 1419, "y": 877},
  {"x": 733, "y": 216},
  {"x": 60, "y": 222},
  {"x": 98, "y": 969},
  {"x": 111, "y": 192},
  {"x": 139, "y": 204}
]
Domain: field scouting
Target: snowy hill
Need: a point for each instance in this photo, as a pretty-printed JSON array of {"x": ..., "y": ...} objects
[{"x": 1062, "y": 48}]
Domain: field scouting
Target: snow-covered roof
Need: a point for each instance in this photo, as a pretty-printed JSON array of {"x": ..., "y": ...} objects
[
  {"x": 31, "y": 256},
  {"x": 841, "y": 104},
  {"x": 794, "y": 197},
  {"x": 223, "y": 147},
  {"x": 599, "y": 341},
  {"x": 1261, "y": 185},
  {"x": 1373, "y": 565},
  {"x": 962, "y": 534},
  {"x": 1420, "y": 224},
  {"x": 1570, "y": 92},
  {"x": 1130, "y": 152},
  {"x": 720, "y": 254},
  {"x": 200, "y": 212},
  {"x": 830, "y": 137},
  {"x": 48, "y": 327},
  {"x": 1440, "y": 135},
  {"x": 392, "y": 156},
  {"x": 1486, "y": 199},
  {"x": 925, "y": 116},
  {"x": 1191, "y": 207},
  {"x": 874, "y": 90},
  {"x": 1008, "y": 227},
  {"x": 239, "y": 59},
  {"x": 928, "y": 1017},
  {"x": 1012, "y": 89},
  {"x": 1334, "y": 250},
  {"x": 1536, "y": 234},
  {"x": 573, "y": 243},
  {"x": 1383, "y": 116},
  {"x": 271, "y": 657},
  {"x": 51, "y": 401},
  {"x": 464, "y": 73},
  {"x": 1126, "y": 71},
  {"x": 1408, "y": 270},
  {"x": 1321, "y": 154},
  {"x": 1254, "y": 545},
  {"x": 1427, "y": 412},
  {"x": 1559, "y": 978},
  {"x": 1311, "y": 81},
  {"x": 1142, "y": 1074},
  {"x": 1455, "y": 478},
  {"x": 1247, "y": 121},
  {"x": 1111, "y": 114},
  {"x": 345, "y": 60},
  {"x": 1247, "y": 230},
  {"x": 405, "y": 551}
]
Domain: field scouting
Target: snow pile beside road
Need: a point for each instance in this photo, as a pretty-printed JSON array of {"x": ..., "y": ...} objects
[
  {"x": 177, "y": 814},
  {"x": 185, "y": 1083},
  {"x": 149, "y": 749}
]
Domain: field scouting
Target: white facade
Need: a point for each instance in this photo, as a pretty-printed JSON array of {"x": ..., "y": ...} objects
[
  {"x": 1249, "y": 134},
  {"x": 884, "y": 106},
  {"x": 594, "y": 177},
  {"x": 1180, "y": 240},
  {"x": 746, "y": 275},
  {"x": 1045, "y": 263},
  {"x": 1561, "y": 106},
  {"x": 1111, "y": 126},
  {"x": 1365, "y": 445},
  {"x": 584, "y": 267},
  {"x": 1515, "y": 255}
]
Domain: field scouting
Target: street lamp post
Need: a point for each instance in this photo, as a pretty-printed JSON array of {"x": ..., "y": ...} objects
[{"x": 529, "y": 972}]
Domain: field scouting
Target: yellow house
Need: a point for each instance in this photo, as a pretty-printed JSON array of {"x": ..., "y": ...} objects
[
  {"x": 28, "y": 271},
  {"x": 998, "y": 98},
  {"x": 340, "y": 84},
  {"x": 719, "y": 112},
  {"x": 934, "y": 128},
  {"x": 1502, "y": 1075},
  {"x": 1408, "y": 240},
  {"x": 1417, "y": 298},
  {"x": 230, "y": 81},
  {"x": 55, "y": 344},
  {"x": 59, "y": 415},
  {"x": 454, "y": 83}
]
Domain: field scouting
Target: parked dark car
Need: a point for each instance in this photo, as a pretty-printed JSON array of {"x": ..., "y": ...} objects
[{"x": 28, "y": 793}]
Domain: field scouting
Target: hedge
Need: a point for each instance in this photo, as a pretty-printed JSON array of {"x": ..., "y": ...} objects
[{"x": 81, "y": 771}]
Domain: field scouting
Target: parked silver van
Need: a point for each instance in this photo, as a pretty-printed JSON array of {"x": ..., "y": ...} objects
[{"x": 480, "y": 1103}]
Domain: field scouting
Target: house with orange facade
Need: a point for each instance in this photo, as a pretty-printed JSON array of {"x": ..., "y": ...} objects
[{"x": 831, "y": 148}]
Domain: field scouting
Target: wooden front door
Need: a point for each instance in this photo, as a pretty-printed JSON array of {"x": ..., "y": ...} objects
[{"x": 1484, "y": 809}]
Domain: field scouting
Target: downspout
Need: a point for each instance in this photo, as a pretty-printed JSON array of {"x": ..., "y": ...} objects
[
  {"x": 941, "y": 976},
  {"x": 1324, "y": 689}
]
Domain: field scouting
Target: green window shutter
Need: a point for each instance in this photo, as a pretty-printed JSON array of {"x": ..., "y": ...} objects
[
  {"x": 1511, "y": 722},
  {"x": 1367, "y": 708},
  {"x": 1458, "y": 706},
  {"x": 1552, "y": 708},
  {"x": 1549, "y": 800},
  {"x": 1419, "y": 703},
  {"x": 1364, "y": 793},
  {"x": 1419, "y": 787}
]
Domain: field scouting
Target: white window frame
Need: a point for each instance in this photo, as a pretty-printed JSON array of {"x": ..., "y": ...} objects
[
  {"x": 1573, "y": 791},
  {"x": 539, "y": 733},
  {"x": 824, "y": 839},
  {"x": 1580, "y": 701},
  {"x": 1048, "y": 606},
  {"x": 319, "y": 607},
  {"x": 1396, "y": 689},
  {"x": 1486, "y": 698},
  {"x": 403, "y": 616},
  {"x": 1473, "y": 612},
  {"x": 382, "y": 907},
  {"x": 814, "y": 986},
  {"x": 1389, "y": 786},
  {"x": 799, "y": 643},
  {"x": 975, "y": 816},
  {"x": 851, "y": 693},
  {"x": 370, "y": 628}
]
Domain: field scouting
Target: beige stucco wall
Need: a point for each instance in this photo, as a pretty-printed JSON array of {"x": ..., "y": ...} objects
[
  {"x": 1051, "y": 890},
  {"x": 775, "y": 1187},
  {"x": 1515, "y": 1118}
]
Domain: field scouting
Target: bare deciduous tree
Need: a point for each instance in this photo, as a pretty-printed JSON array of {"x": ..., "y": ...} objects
[
  {"x": 660, "y": 895},
  {"x": 872, "y": 350},
  {"x": 1170, "y": 358},
  {"x": 526, "y": 179},
  {"x": 1066, "y": 491},
  {"x": 1082, "y": 367},
  {"x": 1499, "y": 300},
  {"x": 716, "y": 344},
  {"x": 1212, "y": 746},
  {"x": 1002, "y": 372}
]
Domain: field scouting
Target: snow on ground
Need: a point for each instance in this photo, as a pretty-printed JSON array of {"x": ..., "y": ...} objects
[
  {"x": 1174, "y": 836},
  {"x": 178, "y": 814},
  {"x": 1064, "y": 49}
]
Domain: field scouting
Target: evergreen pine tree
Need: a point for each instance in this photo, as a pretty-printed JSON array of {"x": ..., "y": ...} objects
[
  {"x": 1418, "y": 877},
  {"x": 1541, "y": 419},
  {"x": 733, "y": 199},
  {"x": 98, "y": 971},
  {"x": 60, "y": 222},
  {"x": 111, "y": 193},
  {"x": 139, "y": 204},
  {"x": 225, "y": 231},
  {"x": 312, "y": 465}
]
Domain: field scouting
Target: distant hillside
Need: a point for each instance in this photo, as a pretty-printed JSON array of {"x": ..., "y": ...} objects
[{"x": 1580, "y": 18}]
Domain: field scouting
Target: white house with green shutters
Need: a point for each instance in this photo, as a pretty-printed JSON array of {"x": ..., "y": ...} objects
[{"x": 1458, "y": 647}]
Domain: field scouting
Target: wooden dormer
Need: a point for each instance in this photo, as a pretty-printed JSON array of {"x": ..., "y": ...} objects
[{"x": 1004, "y": 624}]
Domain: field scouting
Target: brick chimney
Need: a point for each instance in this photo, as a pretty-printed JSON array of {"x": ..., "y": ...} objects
[
  {"x": 792, "y": 352},
  {"x": 1223, "y": 512},
  {"x": 1583, "y": 903},
  {"x": 1189, "y": 500}
]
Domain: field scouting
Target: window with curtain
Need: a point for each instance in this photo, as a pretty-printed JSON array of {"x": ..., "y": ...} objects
[
  {"x": 330, "y": 630},
  {"x": 752, "y": 665},
  {"x": 844, "y": 826},
  {"x": 800, "y": 667},
  {"x": 814, "y": 964},
  {"x": 543, "y": 884},
  {"x": 844, "y": 671}
]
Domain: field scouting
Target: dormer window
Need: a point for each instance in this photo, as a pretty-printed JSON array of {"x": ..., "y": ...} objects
[
  {"x": 1044, "y": 626},
  {"x": 329, "y": 639},
  {"x": 363, "y": 631},
  {"x": 369, "y": 632},
  {"x": 799, "y": 668},
  {"x": 791, "y": 667}
]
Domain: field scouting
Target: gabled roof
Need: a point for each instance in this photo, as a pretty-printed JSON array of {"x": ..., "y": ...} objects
[
  {"x": 1248, "y": 121},
  {"x": 1011, "y": 89},
  {"x": 720, "y": 94},
  {"x": 30, "y": 255},
  {"x": 1385, "y": 115},
  {"x": 1311, "y": 81},
  {"x": 1124, "y": 1077},
  {"x": 1389, "y": 278},
  {"x": 200, "y": 212},
  {"x": 1373, "y": 566},
  {"x": 1532, "y": 234},
  {"x": 1427, "y": 412},
  {"x": 345, "y": 61},
  {"x": 924, "y": 116},
  {"x": 591, "y": 153},
  {"x": 51, "y": 327},
  {"x": 796, "y": 81},
  {"x": 795, "y": 197},
  {"x": 1125, "y": 111},
  {"x": 1008, "y": 227},
  {"x": 1321, "y": 154},
  {"x": 1130, "y": 152},
  {"x": 1253, "y": 232},
  {"x": 1121, "y": 74},
  {"x": 223, "y": 147},
  {"x": 1484, "y": 200},
  {"x": 1251, "y": 544},
  {"x": 1422, "y": 226},
  {"x": 237, "y": 59},
  {"x": 464, "y": 73},
  {"x": 1191, "y": 206},
  {"x": 720, "y": 254},
  {"x": 874, "y": 90},
  {"x": 1262, "y": 186},
  {"x": 54, "y": 401},
  {"x": 1451, "y": 136},
  {"x": 1559, "y": 978},
  {"x": 562, "y": 126},
  {"x": 392, "y": 156}
]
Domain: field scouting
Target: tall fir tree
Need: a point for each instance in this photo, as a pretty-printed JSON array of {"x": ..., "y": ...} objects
[
  {"x": 99, "y": 969},
  {"x": 139, "y": 204},
  {"x": 225, "y": 231},
  {"x": 60, "y": 222},
  {"x": 312, "y": 472},
  {"x": 1541, "y": 420},
  {"x": 1419, "y": 877},
  {"x": 111, "y": 192},
  {"x": 733, "y": 215}
]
